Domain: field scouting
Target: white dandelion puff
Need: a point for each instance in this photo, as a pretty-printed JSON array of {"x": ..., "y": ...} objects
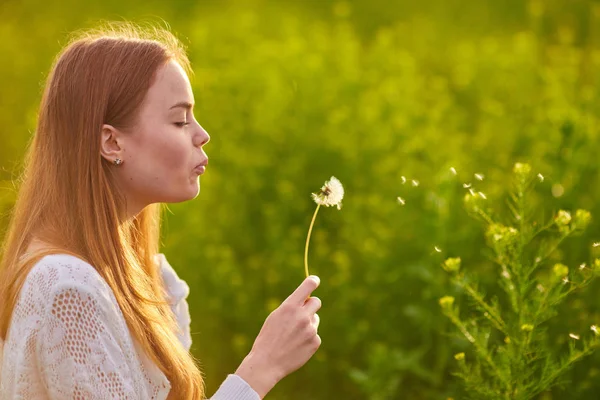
[
  {"x": 415, "y": 182},
  {"x": 453, "y": 170},
  {"x": 401, "y": 200},
  {"x": 479, "y": 177},
  {"x": 574, "y": 336},
  {"x": 331, "y": 194}
]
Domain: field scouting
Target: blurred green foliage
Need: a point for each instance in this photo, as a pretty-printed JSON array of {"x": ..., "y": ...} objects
[{"x": 293, "y": 92}]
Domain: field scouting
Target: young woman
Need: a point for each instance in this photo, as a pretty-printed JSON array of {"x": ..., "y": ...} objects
[{"x": 88, "y": 307}]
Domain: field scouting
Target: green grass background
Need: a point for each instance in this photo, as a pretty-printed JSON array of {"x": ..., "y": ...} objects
[{"x": 293, "y": 92}]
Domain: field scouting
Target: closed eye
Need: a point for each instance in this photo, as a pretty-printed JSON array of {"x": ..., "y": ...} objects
[{"x": 181, "y": 124}]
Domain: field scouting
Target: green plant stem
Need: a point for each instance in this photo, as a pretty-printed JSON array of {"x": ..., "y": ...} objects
[{"x": 308, "y": 239}]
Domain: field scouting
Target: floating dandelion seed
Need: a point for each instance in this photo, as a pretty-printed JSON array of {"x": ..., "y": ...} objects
[
  {"x": 403, "y": 179},
  {"x": 574, "y": 336},
  {"x": 472, "y": 192},
  {"x": 415, "y": 183},
  {"x": 582, "y": 266},
  {"x": 401, "y": 200},
  {"x": 596, "y": 244},
  {"x": 331, "y": 194},
  {"x": 453, "y": 170},
  {"x": 466, "y": 185},
  {"x": 594, "y": 328},
  {"x": 483, "y": 196},
  {"x": 540, "y": 177},
  {"x": 479, "y": 177},
  {"x": 438, "y": 249},
  {"x": 565, "y": 280}
]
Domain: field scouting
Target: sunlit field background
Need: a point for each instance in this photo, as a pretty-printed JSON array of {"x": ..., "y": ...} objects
[{"x": 376, "y": 93}]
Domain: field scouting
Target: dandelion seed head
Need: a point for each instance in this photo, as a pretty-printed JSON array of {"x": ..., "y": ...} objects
[
  {"x": 574, "y": 336},
  {"x": 401, "y": 200},
  {"x": 331, "y": 194},
  {"x": 479, "y": 177}
]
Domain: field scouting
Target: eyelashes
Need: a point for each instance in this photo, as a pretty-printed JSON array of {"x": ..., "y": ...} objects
[{"x": 181, "y": 124}]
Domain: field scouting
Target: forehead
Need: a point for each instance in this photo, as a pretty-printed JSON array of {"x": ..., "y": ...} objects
[{"x": 171, "y": 85}]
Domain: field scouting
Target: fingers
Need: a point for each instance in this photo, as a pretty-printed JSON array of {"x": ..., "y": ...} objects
[
  {"x": 316, "y": 320},
  {"x": 304, "y": 290},
  {"x": 312, "y": 305}
]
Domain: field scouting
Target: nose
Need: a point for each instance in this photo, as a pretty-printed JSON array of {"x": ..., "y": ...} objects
[{"x": 202, "y": 137}]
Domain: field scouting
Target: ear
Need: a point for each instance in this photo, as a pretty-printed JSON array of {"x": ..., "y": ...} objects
[{"x": 110, "y": 143}]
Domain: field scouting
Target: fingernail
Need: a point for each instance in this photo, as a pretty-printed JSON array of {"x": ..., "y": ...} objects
[{"x": 315, "y": 278}]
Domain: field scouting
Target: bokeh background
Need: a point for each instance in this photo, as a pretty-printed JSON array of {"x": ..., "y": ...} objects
[{"x": 371, "y": 91}]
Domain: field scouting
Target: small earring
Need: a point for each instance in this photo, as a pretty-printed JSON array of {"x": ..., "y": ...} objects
[{"x": 118, "y": 161}]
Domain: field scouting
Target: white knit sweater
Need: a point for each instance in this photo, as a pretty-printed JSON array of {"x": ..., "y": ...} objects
[{"x": 68, "y": 339}]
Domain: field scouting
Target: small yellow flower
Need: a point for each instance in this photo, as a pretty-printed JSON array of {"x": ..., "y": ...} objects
[
  {"x": 526, "y": 327},
  {"x": 452, "y": 264},
  {"x": 582, "y": 219},
  {"x": 560, "y": 270},
  {"x": 446, "y": 301},
  {"x": 562, "y": 218},
  {"x": 522, "y": 170},
  {"x": 459, "y": 356}
]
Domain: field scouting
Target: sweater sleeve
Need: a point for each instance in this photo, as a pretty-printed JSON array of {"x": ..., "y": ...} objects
[
  {"x": 235, "y": 388},
  {"x": 79, "y": 346},
  {"x": 177, "y": 292}
]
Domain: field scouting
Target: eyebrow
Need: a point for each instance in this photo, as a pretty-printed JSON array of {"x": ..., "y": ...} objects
[{"x": 183, "y": 104}]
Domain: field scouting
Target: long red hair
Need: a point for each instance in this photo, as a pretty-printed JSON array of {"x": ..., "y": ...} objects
[{"x": 68, "y": 196}]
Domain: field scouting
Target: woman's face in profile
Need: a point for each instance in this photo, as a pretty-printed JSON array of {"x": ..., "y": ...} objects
[{"x": 161, "y": 153}]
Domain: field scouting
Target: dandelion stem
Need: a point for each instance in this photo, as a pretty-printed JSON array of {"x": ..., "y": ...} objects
[{"x": 308, "y": 239}]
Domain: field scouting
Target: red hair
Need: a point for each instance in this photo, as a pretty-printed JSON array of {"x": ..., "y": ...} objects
[{"x": 69, "y": 198}]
